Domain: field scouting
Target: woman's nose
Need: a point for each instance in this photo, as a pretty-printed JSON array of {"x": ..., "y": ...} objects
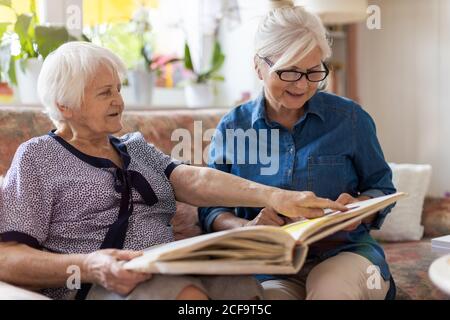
[
  {"x": 302, "y": 83},
  {"x": 118, "y": 99}
]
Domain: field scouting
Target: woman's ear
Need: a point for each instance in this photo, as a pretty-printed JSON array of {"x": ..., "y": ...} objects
[
  {"x": 257, "y": 68},
  {"x": 65, "y": 111}
]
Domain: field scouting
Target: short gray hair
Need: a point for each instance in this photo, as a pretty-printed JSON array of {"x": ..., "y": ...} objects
[
  {"x": 288, "y": 29},
  {"x": 67, "y": 71}
]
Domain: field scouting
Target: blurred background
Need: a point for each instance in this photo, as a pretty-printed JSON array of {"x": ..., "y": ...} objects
[{"x": 391, "y": 56}]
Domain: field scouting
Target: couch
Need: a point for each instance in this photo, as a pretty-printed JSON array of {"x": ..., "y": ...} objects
[{"x": 409, "y": 261}]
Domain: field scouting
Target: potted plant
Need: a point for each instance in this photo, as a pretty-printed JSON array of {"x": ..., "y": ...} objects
[
  {"x": 133, "y": 41},
  {"x": 199, "y": 91},
  {"x": 34, "y": 43},
  {"x": 6, "y": 92}
]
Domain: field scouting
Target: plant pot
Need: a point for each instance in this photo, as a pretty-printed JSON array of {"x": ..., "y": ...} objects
[
  {"x": 6, "y": 93},
  {"x": 139, "y": 92},
  {"x": 199, "y": 95},
  {"x": 27, "y": 78}
]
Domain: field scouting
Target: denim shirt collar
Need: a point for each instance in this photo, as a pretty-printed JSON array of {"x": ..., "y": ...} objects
[{"x": 312, "y": 106}]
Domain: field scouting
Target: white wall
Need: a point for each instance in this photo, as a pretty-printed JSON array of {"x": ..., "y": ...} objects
[
  {"x": 442, "y": 172},
  {"x": 238, "y": 46},
  {"x": 404, "y": 78}
]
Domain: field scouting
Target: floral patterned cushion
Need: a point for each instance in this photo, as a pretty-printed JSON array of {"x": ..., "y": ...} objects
[
  {"x": 159, "y": 126},
  {"x": 18, "y": 125}
]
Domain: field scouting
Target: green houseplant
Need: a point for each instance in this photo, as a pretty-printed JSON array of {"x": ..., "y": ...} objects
[
  {"x": 24, "y": 44},
  {"x": 199, "y": 90},
  {"x": 217, "y": 61},
  {"x": 133, "y": 41}
]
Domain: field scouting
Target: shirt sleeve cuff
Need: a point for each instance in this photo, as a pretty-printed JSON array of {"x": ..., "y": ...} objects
[
  {"x": 213, "y": 214},
  {"x": 380, "y": 215},
  {"x": 172, "y": 167},
  {"x": 373, "y": 193},
  {"x": 20, "y": 237}
]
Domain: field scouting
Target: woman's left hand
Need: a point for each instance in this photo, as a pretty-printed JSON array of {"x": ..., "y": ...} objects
[
  {"x": 345, "y": 199},
  {"x": 105, "y": 268}
]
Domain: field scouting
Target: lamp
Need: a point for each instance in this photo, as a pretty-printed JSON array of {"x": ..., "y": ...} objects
[{"x": 334, "y": 12}]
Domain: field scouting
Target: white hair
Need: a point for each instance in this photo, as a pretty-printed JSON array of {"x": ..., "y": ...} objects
[
  {"x": 288, "y": 30},
  {"x": 68, "y": 70}
]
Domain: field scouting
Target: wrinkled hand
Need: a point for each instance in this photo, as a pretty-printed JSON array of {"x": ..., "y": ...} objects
[
  {"x": 302, "y": 204},
  {"x": 345, "y": 199},
  {"x": 267, "y": 217},
  {"x": 105, "y": 268}
]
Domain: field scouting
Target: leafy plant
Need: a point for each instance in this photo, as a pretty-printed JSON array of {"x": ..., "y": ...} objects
[
  {"x": 120, "y": 39},
  {"x": 35, "y": 40},
  {"x": 217, "y": 61},
  {"x": 132, "y": 41}
]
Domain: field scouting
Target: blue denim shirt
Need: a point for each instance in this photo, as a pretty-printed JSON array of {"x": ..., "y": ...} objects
[{"x": 332, "y": 149}]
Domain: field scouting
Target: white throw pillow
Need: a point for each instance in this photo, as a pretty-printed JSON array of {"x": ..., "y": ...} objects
[{"x": 403, "y": 223}]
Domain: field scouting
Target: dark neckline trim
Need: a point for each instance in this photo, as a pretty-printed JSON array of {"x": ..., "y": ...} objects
[{"x": 97, "y": 162}]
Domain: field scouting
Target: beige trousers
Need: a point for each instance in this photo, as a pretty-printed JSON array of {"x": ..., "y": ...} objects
[
  {"x": 346, "y": 276},
  {"x": 168, "y": 287}
]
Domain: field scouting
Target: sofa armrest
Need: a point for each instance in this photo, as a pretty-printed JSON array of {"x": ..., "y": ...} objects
[{"x": 9, "y": 292}]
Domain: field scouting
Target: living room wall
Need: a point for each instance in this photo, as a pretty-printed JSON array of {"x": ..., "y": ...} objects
[{"x": 404, "y": 76}]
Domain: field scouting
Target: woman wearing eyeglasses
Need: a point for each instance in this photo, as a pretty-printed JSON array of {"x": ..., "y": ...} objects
[{"x": 322, "y": 143}]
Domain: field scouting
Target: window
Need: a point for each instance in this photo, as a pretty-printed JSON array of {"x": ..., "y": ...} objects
[{"x": 128, "y": 26}]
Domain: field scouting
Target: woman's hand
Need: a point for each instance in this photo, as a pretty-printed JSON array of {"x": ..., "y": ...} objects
[
  {"x": 345, "y": 199},
  {"x": 302, "y": 204},
  {"x": 105, "y": 268},
  {"x": 267, "y": 217}
]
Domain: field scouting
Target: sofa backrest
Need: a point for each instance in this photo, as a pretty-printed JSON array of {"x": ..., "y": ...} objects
[{"x": 20, "y": 124}]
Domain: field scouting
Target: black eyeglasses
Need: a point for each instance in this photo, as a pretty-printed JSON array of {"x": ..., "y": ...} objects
[{"x": 294, "y": 75}]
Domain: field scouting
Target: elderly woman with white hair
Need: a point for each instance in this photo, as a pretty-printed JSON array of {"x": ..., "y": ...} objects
[
  {"x": 326, "y": 144},
  {"x": 80, "y": 197}
]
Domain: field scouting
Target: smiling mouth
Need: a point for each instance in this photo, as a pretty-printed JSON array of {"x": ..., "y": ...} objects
[
  {"x": 295, "y": 95},
  {"x": 114, "y": 114}
]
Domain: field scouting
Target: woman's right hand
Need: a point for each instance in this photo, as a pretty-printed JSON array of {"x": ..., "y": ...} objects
[
  {"x": 105, "y": 268},
  {"x": 305, "y": 204},
  {"x": 267, "y": 217}
]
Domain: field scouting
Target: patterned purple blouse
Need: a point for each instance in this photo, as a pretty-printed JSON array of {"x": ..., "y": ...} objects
[{"x": 59, "y": 199}]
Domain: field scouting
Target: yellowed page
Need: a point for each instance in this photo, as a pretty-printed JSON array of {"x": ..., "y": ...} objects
[
  {"x": 224, "y": 248},
  {"x": 229, "y": 267},
  {"x": 329, "y": 230},
  {"x": 301, "y": 230}
]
